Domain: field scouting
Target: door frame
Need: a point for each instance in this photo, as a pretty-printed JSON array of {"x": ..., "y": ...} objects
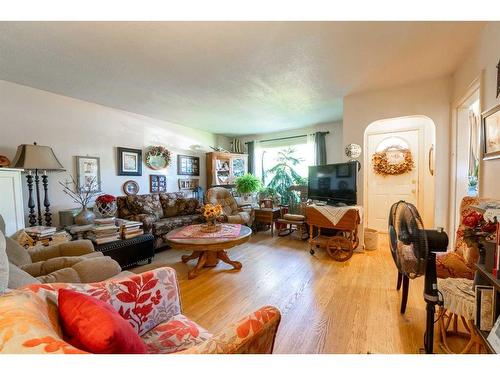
[
  {"x": 428, "y": 215},
  {"x": 476, "y": 86}
]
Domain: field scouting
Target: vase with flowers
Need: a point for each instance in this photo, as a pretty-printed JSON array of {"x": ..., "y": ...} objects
[
  {"x": 105, "y": 205},
  {"x": 83, "y": 196},
  {"x": 211, "y": 213}
]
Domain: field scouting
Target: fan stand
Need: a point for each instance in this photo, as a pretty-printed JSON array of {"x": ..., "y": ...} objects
[
  {"x": 431, "y": 298},
  {"x": 405, "y": 281}
]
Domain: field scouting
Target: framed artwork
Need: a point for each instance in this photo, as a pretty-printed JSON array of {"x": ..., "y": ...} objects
[
  {"x": 491, "y": 133},
  {"x": 157, "y": 183},
  {"x": 88, "y": 173},
  {"x": 188, "y": 184},
  {"x": 188, "y": 165},
  {"x": 494, "y": 336},
  {"x": 129, "y": 162}
]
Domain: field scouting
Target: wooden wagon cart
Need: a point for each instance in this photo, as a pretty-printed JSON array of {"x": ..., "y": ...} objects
[{"x": 340, "y": 246}]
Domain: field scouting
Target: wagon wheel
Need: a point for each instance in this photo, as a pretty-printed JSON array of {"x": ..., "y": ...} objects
[{"x": 339, "y": 248}]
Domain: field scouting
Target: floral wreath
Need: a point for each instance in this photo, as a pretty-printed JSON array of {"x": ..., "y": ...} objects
[
  {"x": 158, "y": 151},
  {"x": 382, "y": 166}
]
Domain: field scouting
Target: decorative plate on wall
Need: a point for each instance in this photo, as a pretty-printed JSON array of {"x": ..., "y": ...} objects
[
  {"x": 130, "y": 187},
  {"x": 353, "y": 150},
  {"x": 158, "y": 157}
]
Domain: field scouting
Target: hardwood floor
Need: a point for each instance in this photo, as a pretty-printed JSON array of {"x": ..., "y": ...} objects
[{"x": 327, "y": 307}]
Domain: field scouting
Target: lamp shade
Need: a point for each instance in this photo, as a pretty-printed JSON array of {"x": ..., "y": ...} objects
[{"x": 36, "y": 157}]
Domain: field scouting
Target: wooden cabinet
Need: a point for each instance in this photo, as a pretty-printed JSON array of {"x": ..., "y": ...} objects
[
  {"x": 11, "y": 202},
  {"x": 223, "y": 168}
]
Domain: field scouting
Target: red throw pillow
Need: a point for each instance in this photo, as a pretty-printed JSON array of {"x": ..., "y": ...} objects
[{"x": 96, "y": 327}]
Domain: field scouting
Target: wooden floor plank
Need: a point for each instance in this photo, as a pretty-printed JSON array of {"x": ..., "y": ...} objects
[{"x": 327, "y": 307}]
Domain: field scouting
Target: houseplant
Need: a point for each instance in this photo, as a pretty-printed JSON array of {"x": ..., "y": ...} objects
[
  {"x": 285, "y": 175},
  {"x": 246, "y": 185}
]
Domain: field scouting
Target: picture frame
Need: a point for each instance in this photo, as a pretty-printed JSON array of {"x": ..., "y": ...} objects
[
  {"x": 157, "y": 183},
  {"x": 129, "y": 161},
  {"x": 188, "y": 165},
  {"x": 189, "y": 183},
  {"x": 494, "y": 336},
  {"x": 130, "y": 187},
  {"x": 485, "y": 307},
  {"x": 490, "y": 126},
  {"x": 88, "y": 169}
]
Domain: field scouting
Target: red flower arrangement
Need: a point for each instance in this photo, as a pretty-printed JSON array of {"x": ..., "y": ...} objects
[{"x": 105, "y": 199}]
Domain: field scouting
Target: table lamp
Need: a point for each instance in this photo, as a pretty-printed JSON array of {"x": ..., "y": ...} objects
[{"x": 34, "y": 159}]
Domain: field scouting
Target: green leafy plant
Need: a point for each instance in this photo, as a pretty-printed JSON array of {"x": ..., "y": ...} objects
[
  {"x": 284, "y": 175},
  {"x": 247, "y": 184}
]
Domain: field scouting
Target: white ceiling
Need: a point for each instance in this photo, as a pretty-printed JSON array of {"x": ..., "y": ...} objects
[{"x": 229, "y": 77}]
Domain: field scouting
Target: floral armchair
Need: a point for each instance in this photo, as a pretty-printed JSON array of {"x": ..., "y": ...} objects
[
  {"x": 149, "y": 301},
  {"x": 460, "y": 262}
]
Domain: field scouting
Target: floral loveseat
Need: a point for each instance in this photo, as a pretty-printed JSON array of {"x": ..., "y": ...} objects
[
  {"x": 150, "y": 302},
  {"x": 460, "y": 262},
  {"x": 160, "y": 213}
]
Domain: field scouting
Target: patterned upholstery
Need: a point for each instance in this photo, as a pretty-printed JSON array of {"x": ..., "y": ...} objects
[
  {"x": 460, "y": 262},
  {"x": 151, "y": 304},
  {"x": 234, "y": 214},
  {"x": 160, "y": 213}
]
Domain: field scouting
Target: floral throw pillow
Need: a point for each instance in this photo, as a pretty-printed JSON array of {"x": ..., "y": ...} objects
[{"x": 148, "y": 204}]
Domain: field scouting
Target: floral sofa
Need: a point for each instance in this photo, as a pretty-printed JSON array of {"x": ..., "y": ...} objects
[
  {"x": 150, "y": 302},
  {"x": 461, "y": 261},
  {"x": 160, "y": 213}
]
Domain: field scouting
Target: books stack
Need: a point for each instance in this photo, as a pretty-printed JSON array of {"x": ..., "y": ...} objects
[
  {"x": 130, "y": 229},
  {"x": 41, "y": 233},
  {"x": 104, "y": 231}
]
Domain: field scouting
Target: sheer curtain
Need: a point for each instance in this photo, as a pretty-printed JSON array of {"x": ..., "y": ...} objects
[{"x": 475, "y": 141}]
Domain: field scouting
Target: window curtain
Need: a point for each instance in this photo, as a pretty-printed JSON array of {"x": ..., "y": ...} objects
[
  {"x": 251, "y": 157},
  {"x": 475, "y": 141},
  {"x": 319, "y": 148}
]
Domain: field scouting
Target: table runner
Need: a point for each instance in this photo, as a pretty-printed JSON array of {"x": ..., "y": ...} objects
[{"x": 194, "y": 231}]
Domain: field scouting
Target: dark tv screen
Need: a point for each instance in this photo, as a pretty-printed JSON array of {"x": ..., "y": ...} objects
[{"x": 335, "y": 183}]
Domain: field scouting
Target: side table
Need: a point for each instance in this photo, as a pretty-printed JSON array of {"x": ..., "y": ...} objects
[
  {"x": 130, "y": 252},
  {"x": 267, "y": 216}
]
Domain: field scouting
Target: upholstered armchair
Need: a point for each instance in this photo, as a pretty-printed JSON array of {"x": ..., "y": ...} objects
[
  {"x": 233, "y": 214},
  {"x": 150, "y": 302},
  {"x": 461, "y": 261},
  {"x": 74, "y": 261}
]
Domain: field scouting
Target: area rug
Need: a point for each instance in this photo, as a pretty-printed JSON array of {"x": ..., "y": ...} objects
[{"x": 194, "y": 231}]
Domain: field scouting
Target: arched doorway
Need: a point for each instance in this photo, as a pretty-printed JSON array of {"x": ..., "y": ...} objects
[{"x": 392, "y": 137}]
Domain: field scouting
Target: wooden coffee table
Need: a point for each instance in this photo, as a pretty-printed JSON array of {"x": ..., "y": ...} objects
[{"x": 208, "y": 250}]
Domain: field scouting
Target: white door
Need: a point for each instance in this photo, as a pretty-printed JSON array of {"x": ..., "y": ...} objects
[{"x": 383, "y": 191}]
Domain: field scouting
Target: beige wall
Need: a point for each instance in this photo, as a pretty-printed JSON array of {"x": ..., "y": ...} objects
[
  {"x": 74, "y": 127},
  {"x": 429, "y": 98},
  {"x": 483, "y": 57}
]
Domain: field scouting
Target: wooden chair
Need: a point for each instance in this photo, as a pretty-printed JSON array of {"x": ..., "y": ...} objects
[{"x": 293, "y": 215}]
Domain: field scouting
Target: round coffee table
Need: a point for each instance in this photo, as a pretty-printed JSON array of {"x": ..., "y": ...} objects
[{"x": 208, "y": 250}]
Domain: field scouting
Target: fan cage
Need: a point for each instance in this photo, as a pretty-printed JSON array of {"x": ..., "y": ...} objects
[{"x": 408, "y": 241}]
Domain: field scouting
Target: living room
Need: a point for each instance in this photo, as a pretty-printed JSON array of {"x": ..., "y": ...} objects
[{"x": 233, "y": 187}]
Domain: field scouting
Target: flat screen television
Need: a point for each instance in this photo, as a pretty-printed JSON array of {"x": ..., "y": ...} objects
[{"x": 333, "y": 183}]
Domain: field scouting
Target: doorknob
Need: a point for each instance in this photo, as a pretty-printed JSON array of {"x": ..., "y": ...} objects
[{"x": 413, "y": 191}]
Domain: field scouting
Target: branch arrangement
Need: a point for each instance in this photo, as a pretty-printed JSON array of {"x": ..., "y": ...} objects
[{"x": 80, "y": 194}]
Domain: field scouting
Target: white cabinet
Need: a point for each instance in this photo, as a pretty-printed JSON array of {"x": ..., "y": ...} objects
[{"x": 11, "y": 200}]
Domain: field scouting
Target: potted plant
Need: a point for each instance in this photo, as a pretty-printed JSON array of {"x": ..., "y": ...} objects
[{"x": 246, "y": 185}]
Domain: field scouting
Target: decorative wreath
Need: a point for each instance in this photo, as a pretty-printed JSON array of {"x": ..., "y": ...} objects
[
  {"x": 158, "y": 151},
  {"x": 382, "y": 166}
]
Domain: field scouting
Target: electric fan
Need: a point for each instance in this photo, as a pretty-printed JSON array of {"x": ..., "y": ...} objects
[{"x": 413, "y": 249}]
